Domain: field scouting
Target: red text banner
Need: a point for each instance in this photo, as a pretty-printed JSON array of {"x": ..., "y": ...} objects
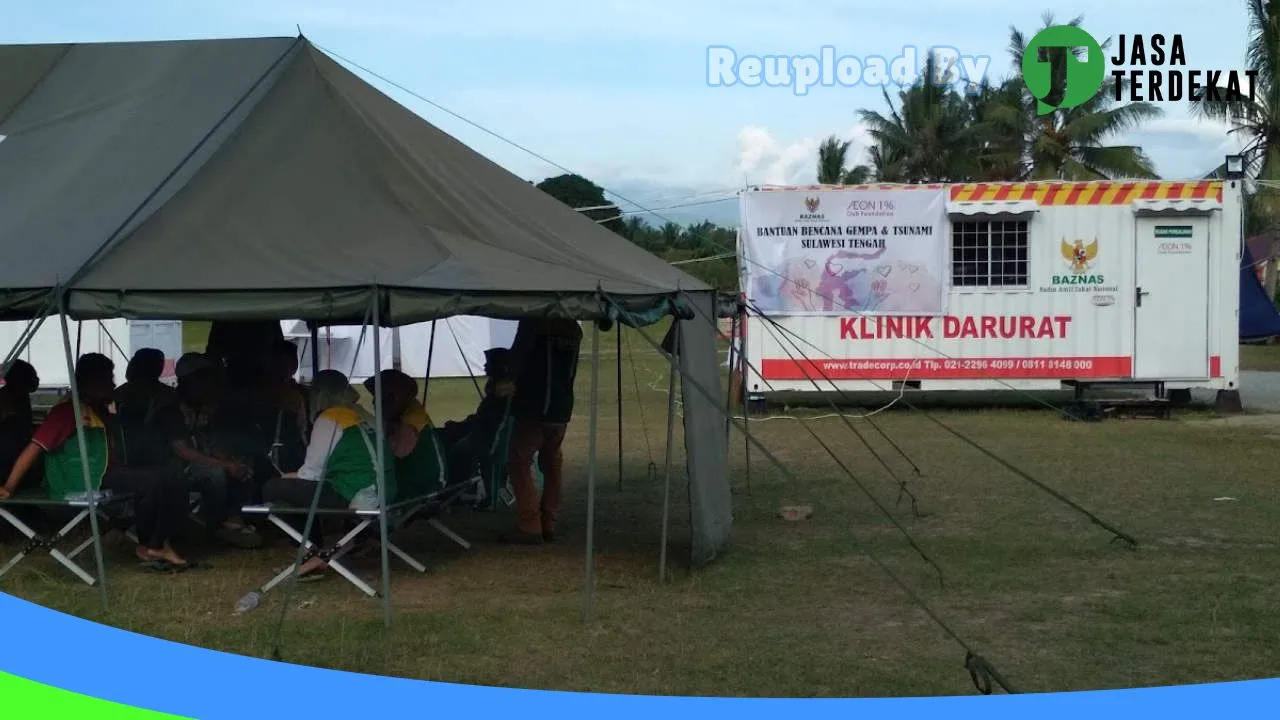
[
  {"x": 1025, "y": 368},
  {"x": 970, "y": 327}
]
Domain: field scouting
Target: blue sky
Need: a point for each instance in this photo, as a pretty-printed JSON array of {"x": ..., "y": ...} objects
[{"x": 617, "y": 90}]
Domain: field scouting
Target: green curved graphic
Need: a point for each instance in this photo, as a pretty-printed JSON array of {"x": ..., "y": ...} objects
[
  {"x": 1080, "y": 79},
  {"x": 22, "y": 699}
]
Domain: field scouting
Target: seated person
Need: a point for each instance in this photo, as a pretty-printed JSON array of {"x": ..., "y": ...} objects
[
  {"x": 419, "y": 456},
  {"x": 339, "y": 463},
  {"x": 282, "y": 408},
  {"x": 469, "y": 442},
  {"x": 16, "y": 419},
  {"x": 140, "y": 401},
  {"x": 160, "y": 494},
  {"x": 195, "y": 430}
]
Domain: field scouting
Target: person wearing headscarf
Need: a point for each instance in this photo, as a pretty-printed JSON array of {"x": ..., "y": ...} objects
[{"x": 340, "y": 457}]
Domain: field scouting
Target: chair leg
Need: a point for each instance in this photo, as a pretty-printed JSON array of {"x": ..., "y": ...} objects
[
  {"x": 34, "y": 541},
  {"x": 440, "y": 527},
  {"x": 331, "y": 555}
]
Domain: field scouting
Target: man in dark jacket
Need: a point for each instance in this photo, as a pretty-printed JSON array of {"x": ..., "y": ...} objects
[
  {"x": 469, "y": 441},
  {"x": 545, "y": 365}
]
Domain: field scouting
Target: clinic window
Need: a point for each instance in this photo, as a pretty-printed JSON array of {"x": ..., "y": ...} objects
[{"x": 989, "y": 253}]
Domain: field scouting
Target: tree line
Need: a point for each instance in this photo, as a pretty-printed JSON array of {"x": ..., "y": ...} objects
[{"x": 933, "y": 132}]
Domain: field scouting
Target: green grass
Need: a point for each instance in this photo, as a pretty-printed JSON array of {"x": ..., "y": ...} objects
[
  {"x": 795, "y": 609},
  {"x": 1260, "y": 357}
]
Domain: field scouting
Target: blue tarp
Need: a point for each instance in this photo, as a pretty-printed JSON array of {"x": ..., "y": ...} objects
[{"x": 1258, "y": 316}]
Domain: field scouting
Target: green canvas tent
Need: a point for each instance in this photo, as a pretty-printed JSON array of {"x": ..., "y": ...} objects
[{"x": 255, "y": 179}]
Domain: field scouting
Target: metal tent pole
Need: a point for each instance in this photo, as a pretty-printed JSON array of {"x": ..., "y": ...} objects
[
  {"x": 431, "y": 351},
  {"x": 588, "y": 591},
  {"x": 378, "y": 461},
  {"x": 733, "y": 372},
  {"x": 618, "y": 330},
  {"x": 746, "y": 408},
  {"x": 671, "y": 433},
  {"x": 90, "y": 491},
  {"x": 25, "y": 337},
  {"x": 315, "y": 350}
]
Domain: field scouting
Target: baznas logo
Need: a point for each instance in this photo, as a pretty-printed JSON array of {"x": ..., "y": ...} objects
[
  {"x": 1080, "y": 258},
  {"x": 812, "y": 204},
  {"x": 1080, "y": 255}
]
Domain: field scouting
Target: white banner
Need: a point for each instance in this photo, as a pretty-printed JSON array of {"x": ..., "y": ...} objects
[{"x": 833, "y": 252}]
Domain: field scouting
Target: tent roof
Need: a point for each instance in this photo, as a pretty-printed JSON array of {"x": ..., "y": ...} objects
[{"x": 258, "y": 178}]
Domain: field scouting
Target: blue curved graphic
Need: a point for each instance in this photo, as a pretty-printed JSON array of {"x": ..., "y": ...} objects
[{"x": 101, "y": 662}]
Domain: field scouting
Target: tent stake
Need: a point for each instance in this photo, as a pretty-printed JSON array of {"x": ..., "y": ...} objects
[
  {"x": 588, "y": 591},
  {"x": 671, "y": 433},
  {"x": 89, "y": 490},
  {"x": 378, "y": 461}
]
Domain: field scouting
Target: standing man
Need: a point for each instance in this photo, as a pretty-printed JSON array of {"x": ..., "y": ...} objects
[{"x": 544, "y": 361}]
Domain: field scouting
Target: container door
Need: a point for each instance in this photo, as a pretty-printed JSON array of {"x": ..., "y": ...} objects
[{"x": 1171, "y": 298}]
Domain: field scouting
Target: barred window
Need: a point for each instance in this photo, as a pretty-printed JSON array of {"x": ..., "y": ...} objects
[{"x": 989, "y": 253}]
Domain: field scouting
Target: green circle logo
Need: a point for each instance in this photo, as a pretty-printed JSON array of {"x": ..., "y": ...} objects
[{"x": 1077, "y": 79}]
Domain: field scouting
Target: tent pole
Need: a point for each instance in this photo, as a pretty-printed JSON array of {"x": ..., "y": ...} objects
[
  {"x": 746, "y": 409},
  {"x": 90, "y": 492},
  {"x": 79, "y": 338},
  {"x": 315, "y": 350},
  {"x": 588, "y": 590},
  {"x": 24, "y": 339},
  {"x": 671, "y": 433},
  {"x": 378, "y": 461},
  {"x": 733, "y": 373},
  {"x": 431, "y": 351},
  {"x": 618, "y": 328}
]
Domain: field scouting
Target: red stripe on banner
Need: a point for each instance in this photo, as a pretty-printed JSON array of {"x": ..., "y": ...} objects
[
  {"x": 1003, "y": 192},
  {"x": 1025, "y": 368},
  {"x": 1215, "y": 366}
]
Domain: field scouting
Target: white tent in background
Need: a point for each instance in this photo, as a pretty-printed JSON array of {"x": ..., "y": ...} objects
[
  {"x": 459, "y": 348},
  {"x": 47, "y": 353},
  {"x": 460, "y": 343}
]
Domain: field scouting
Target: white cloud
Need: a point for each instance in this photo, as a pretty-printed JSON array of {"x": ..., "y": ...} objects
[{"x": 763, "y": 159}]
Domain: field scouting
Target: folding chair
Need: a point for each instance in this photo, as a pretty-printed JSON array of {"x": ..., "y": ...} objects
[
  {"x": 332, "y": 554},
  {"x": 50, "y": 543}
]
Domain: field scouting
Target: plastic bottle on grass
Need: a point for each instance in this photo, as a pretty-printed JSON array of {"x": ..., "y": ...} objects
[{"x": 248, "y": 602}]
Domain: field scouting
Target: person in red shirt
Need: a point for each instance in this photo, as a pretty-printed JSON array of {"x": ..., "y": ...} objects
[{"x": 159, "y": 494}]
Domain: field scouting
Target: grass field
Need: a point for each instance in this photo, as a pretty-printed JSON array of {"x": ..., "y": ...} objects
[{"x": 795, "y": 609}]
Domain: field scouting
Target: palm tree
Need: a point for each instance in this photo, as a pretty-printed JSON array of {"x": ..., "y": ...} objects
[
  {"x": 1258, "y": 120},
  {"x": 832, "y": 154},
  {"x": 927, "y": 137},
  {"x": 1070, "y": 143}
]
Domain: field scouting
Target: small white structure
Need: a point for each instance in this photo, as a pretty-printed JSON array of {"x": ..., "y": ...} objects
[
  {"x": 992, "y": 286},
  {"x": 460, "y": 343},
  {"x": 47, "y": 353}
]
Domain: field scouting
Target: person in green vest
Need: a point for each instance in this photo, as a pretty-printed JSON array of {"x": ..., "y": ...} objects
[
  {"x": 159, "y": 493},
  {"x": 340, "y": 456},
  {"x": 420, "y": 456}
]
